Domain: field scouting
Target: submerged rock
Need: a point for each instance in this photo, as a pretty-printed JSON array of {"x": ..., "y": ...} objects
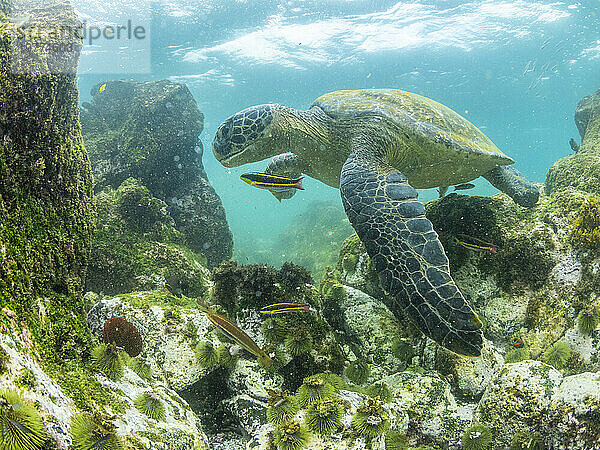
[
  {"x": 149, "y": 131},
  {"x": 531, "y": 396},
  {"x": 580, "y": 170},
  {"x": 46, "y": 201},
  {"x": 136, "y": 247}
]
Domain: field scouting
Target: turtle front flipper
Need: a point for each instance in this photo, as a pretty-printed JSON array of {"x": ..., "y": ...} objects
[
  {"x": 284, "y": 165},
  {"x": 407, "y": 254}
]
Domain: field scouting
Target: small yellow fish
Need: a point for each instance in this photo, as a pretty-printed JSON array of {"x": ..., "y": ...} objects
[
  {"x": 102, "y": 88},
  {"x": 233, "y": 332},
  {"x": 278, "y": 308},
  {"x": 475, "y": 244},
  {"x": 273, "y": 183}
]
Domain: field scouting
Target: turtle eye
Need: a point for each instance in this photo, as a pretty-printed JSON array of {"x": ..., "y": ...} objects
[{"x": 224, "y": 129}]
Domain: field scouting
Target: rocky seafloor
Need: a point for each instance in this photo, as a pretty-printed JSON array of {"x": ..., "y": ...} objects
[{"x": 130, "y": 229}]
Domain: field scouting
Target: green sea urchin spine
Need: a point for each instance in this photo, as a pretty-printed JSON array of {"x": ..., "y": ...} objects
[
  {"x": 314, "y": 390},
  {"x": 517, "y": 355},
  {"x": 324, "y": 417},
  {"x": 394, "y": 440},
  {"x": 381, "y": 391},
  {"x": 282, "y": 407},
  {"x": 109, "y": 360},
  {"x": 206, "y": 354},
  {"x": 291, "y": 437},
  {"x": 298, "y": 342},
  {"x": 527, "y": 441},
  {"x": 557, "y": 355},
  {"x": 149, "y": 404},
  {"x": 141, "y": 368},
  {"x": 358, "y": 371},
  {"x": 476, "y": 437},
  {"x": 371, "y": 419},
  {"x": 274, "y": 330},
  {"x": 333, "y": 379},
  {"x": 21, "y": 425},
  {"x": 225, "y": 358},
  {"x": 403, "y": 349},
  {"x": 587, "y": 321},
  {"x": 282, "y": 413},
  {"x": 94, "y": 434}
]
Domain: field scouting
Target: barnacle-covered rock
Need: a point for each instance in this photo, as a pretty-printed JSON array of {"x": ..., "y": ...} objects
[{"x": 533, "y": 397}]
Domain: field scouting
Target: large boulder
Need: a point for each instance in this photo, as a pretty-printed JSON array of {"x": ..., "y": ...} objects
[
  {"x": 46, "y": 199},
  {"x": 149, "y": 131},
  {"x": 582, "y": 169},
  {"x": 532, "y": 397},
  {"x": 137, "y": 247}
]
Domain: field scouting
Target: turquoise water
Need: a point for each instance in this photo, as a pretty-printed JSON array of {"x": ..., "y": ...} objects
[{"x": 516, "y": 69}]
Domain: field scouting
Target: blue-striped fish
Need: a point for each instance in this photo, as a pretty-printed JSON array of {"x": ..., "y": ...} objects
[
  {"x": 274, "y": 183},
  {"x": 279, "y": 308}
]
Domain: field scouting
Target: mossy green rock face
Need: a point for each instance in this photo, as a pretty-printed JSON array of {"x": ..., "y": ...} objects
[
  {"x": 582, "y": 169},
  {"x": 136, "y": 246},
  {"x": 46, "y": 201},
  {"x": 149, "y": 131}
]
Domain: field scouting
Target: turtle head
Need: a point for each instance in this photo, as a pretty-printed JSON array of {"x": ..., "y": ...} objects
[{"x": 248, "y": 136}]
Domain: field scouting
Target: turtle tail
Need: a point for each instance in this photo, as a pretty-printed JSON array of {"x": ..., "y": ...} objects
[{"x": 407, "y": 254}]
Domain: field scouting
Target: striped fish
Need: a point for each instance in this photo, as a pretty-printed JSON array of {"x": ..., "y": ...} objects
[
  {"x": 233, "y": 332},
  {"x": 279, "y": 308},
  {"x": 475, "y": 244},
  {"x": 274, "y": 183}
]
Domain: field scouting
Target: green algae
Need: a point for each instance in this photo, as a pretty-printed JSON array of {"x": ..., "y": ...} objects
[
  {"x": 47, "y": 212},
  {"x": 585, "y": 229},
  {"x": 26, "y": 379},
  {"x": 132, "y": 249}
]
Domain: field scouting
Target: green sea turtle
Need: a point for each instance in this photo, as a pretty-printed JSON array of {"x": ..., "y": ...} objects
[{"x": 377, "y": 146}]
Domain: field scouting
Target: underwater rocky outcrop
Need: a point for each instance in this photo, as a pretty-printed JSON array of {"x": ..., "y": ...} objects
[
  {"x": 149, "y": 131},
  {"x": 46, "y": 200},
  {"x": 50, "y": 396},
  {"x": 538, "y": 297},
  {"x": 580, "y": 170},
  {"x": 136, "y": 246}
]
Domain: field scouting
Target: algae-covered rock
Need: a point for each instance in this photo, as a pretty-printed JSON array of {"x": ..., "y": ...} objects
[
  {"x": 434, "y": 415},
  {"x": 531, "y": 396},
  {"x": 469, "y": 377},
  {"x": 582, "y": 169},
  {"x": 136, "y": 247},
  {"x": 46, "y": 202},
  {"x": 171, "y": 328},
  {"x": 370, "y": 329},
  {"x": 518, "y": 399},
  {"x": 149, "y": 131}
]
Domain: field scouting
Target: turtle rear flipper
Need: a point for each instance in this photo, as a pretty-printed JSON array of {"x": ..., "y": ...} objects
[
  {"x": 407, "y": 254},
  {"x": 512, "y": 182}
]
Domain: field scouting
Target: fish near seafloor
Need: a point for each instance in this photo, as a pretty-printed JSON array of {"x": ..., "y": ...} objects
[
  {"x": 475, "y": 244},
  {"x": 279, "y": 308},
  {"x": 233, "y": 332},
  {"x": 274, "y": 183},
  {"x": 464, "y": 186}
]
